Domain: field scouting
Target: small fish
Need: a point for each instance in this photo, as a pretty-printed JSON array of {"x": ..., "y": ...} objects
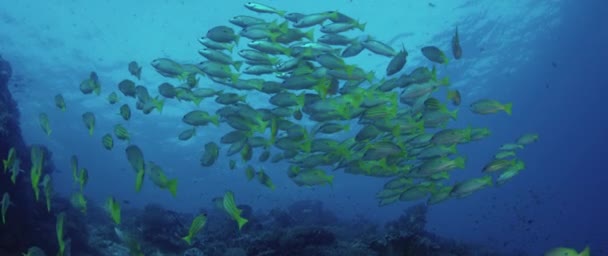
[
  {"x": 397, "y": 63},
  {"x": 528, "y": 138},
  {"x": 127, "y": 87},
  {"x": 433, "y": 54},
  {"x": 312, "y": 177},
  {"x": 10, "y": 159},
  {"x": 158, "y": 177},
  {"x": 454, "y": 96},
  {"x": 91, "y": 84},
  {"x": 257, "y": 7},
  {"x": 79, "y": 202},
  {"x": 113, "y": 208},
  {"x": 136, "y": 159},
  {"x": 83, "y": 177},
  {"x": 60, "y": 102},
  {"x": 121, "y": 132},
  {"x": 107, "y": 141},
  {"x": 6, "y": 202},
  {"x": 230, "y": 207},
  {"x": 197, "y": 224},
  {"x": 47, "y": 187},
  {"x": 511, "y": 147},
  {"x": 89, "y": 121},
  {"x": 44, "y": 123},
  {"x": 135, "y": 69},
  {"x": 486, "y": 106},
  {"x": 187, "y": 134},
  {"x": 456, "y": 49},
  {"x": 210, "y": 154},
  {"x": 113, "y": 98},
  {"x": 562, "y": 251},
  {"x": 264, "y": 179},
  {"x": 222, "y": 34},
  {"x": 59, "y": 229},
  {"x": 37, "y": 157}
]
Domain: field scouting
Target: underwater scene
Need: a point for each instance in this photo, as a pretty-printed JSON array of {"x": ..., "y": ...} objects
[{"x": 271, "y": 128}]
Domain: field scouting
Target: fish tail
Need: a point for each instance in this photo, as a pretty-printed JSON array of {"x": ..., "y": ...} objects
[
  {"x": 585, "y": 252},
  {"x": 5, "y": 163},
  {"x": 361, "y": 26},
  {"x": 237, "y": 65},
  {"x": 241, "y": 222},
  {"x": 281, "y": 13},
  {"x": 507, "y": 107},
  {"x": 188, "y": 239},
  {"x": 310, "y": 35}
]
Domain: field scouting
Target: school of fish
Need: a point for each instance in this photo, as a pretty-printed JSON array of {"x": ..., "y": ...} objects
[{"x": 320, "y": 114}]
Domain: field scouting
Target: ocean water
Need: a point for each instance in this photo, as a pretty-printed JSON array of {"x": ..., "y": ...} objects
[{"x": 546, "y": 57}]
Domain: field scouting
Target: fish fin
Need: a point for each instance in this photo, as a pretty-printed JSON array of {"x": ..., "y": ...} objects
[{"x": 507, "y": 107}]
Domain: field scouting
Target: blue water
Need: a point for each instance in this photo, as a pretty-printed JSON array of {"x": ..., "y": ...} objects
[{"x": 548, "y": 59}]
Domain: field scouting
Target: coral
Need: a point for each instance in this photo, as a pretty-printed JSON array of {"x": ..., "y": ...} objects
[
  {"x": 311, "y": 212},
  {"x": 162, "y": 228},
  {"x": 194, "y": 252}
]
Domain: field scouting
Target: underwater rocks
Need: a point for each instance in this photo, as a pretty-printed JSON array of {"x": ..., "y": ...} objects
[
  {"x": 5, "y": 72},
  {"x": 162, "y": 228},
  {"x": 311, "y": 212}
]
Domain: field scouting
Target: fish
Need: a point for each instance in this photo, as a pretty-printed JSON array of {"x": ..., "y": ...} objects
[
  {"x": 378, "y": 47},
  {"x": 244, "y": 21},
  {"x": 487, "y": 106},
  {"x": 10, "y": 159},
  {"x": 456, "y": 49},
  {"x": 210, "y": 154},
  {"x": 312, "y": 177},
  {"x": 107, "y": 141},
  {"x": 43, "y": 118},
  {"x": 200, "y": 118},
  {"x": 47, "y": 188},
  {"x": 563, "y": 251},
  {"x": 6, "y": 202},
  {"x": 135, "y": 69},
  {"x": 127, "y": 87},
  {"x": 187, "y": 134},
  {"x": 454, "y": 96},
  {"x": 15, "y": 170},
  {"x": 466, "y": 188},
  {"x": 121, "y": 132},
  {"x": 59, "y": 230},
  {"x": 79, "y": 202},
  {"x": 89, "y": 121},
  {"x": 113, "y": 208},
  {"x": 37, "y": 158},
  {"x": 197, "y": 224},
  {"x": 158, "y": 177},
  {"x": 83, "y": 177},
  {"x": 527, "y": 138},
  {"x": 222, "y": 34},
  {"x": 434, "y": 54},
  {"x": 91, "y": 84},
  {"x": 113, "y": 98},
  {"x": 230, "y": 207},
  {"x": 136, "y": 159},
  {"x": 264, "y": 179},
  {"x": 397, "y": 62},
  {"x": 60, "y": 102},
  {"x": 261, "y": 8}
]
